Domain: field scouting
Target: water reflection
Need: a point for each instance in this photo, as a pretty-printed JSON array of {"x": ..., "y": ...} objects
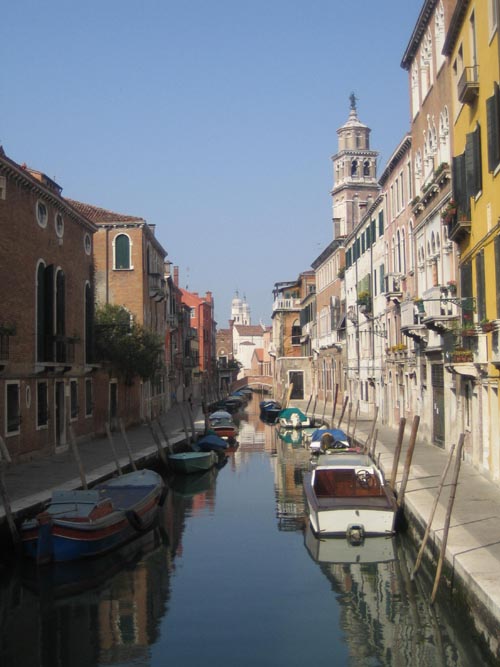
[{"x": 233, "y": 555}]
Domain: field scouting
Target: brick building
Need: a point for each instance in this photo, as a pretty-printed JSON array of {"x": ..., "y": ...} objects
[
  {"x": 46, "y": 314},
  {"x": 202, "y": 320},
  {"x": 130, "y": 272}
]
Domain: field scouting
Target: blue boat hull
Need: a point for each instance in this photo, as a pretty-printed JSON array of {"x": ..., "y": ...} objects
[{"x": 82, "y": 524}]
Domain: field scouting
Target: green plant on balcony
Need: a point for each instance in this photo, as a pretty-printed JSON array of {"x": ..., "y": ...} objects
[
  {"x": 487, "y": 325},
  {"x": 414, "y": 201},
  {"x": 439, "y": 170},
  {"x": 451, "y": 286},
  {"x": 364, "y": 301},
  {"x": 449, "y": 212},
  {"x": 341, "y": 272},
  {"x": 460, "y": 355}
]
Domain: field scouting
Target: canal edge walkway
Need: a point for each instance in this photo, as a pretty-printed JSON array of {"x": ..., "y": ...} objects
[
  {"x": 30, "y": 484},
  {"x": 472, "y": 557}
]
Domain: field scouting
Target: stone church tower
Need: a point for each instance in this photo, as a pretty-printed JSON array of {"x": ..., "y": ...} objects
[
  {"x": 240, "y": 311},
  {"x": 354, "y": 173}
]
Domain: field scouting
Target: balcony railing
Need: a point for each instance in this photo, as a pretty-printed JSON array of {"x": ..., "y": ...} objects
[
  {"x": 468, "y": 84},
  {"x": 56, "y": 349},
  {"x": 286, "y": 304}
]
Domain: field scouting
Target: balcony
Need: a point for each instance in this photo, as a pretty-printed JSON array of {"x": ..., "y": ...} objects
[
  {"x": 441, "y": 313},
  {"x": 286, "y": 304},
  {"x": 328, "y": 341},
  {"x": 412, "y": 316},
  {"x": 468, "y": 85},
  {"x": 393, "y": 287}
]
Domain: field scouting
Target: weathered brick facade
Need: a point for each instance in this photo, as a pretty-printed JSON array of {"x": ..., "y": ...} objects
[{"x": 46, "y": 279}]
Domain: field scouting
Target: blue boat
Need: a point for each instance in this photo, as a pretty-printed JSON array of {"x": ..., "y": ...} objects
[
  {"x": 211, "y": 442},
  {"x": 85, "y": 523}
]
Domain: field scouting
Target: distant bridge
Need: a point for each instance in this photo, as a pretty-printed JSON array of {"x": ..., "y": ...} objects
[{"x": 255, "y": 382}]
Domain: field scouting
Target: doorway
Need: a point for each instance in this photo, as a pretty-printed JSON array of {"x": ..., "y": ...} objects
[{"x": 297, "y": 379}]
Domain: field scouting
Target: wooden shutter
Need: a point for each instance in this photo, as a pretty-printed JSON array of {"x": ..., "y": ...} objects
[
  {"x": 460, "y": 186},
  {"x": 497, "y": 272},
  {"x": 480, "y": 286},
  {"x": 493, "y": 128}
]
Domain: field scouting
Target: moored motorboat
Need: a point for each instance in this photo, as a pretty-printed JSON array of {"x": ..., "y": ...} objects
[
  {"x": 293, "y": 418},
  {"x": 83, "y": 523},
  {"x": 379, "y": 549},
  {"x": 222, "y": 424},
  {"x": 211, "y": 442},
  {"x": 192, "y": 462},
  {"x": 346, "y": 494},
  {"x": 328, "y": 440},
  {"x": 269, "y": 411}
]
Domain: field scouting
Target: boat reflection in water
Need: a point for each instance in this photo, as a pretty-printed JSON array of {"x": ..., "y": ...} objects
[{"x": 342, "y": 550}]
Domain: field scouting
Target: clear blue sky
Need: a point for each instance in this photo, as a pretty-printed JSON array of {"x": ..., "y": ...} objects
[{"x": 213, "y": 119}]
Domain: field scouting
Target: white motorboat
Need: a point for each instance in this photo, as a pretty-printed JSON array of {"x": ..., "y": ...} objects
[{"x": 347, "y": 494}]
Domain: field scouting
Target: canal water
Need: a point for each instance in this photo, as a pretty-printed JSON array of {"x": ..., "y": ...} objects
[{"x": 233, "y": 577}]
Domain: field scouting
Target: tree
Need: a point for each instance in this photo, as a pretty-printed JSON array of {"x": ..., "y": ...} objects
[{"x": 128, "y": 348}]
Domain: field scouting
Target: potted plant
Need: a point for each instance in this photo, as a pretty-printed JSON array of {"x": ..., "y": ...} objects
[
  {"x": 364, "y": 301},
  {"x": 487, "y": 325},
  {"x": 341, "y": 272},
  {"x": 449, "y": 212},
  {"x": 452, "y": 286},
  {"x": 460, "y": 355}
]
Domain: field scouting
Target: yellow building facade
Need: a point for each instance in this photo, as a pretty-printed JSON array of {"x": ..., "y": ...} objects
[{"x": 473, "y": 220}]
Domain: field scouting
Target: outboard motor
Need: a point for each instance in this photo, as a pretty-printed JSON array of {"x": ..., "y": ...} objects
[{"x": 295, "y": 419}]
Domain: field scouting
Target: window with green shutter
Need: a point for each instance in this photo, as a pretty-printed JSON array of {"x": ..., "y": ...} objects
[
  {"x": 122, "y": 252},
  {"x": 493, "y": 128},
  {"x": 480, "y": 286},
  {"x": 497, "y": 272},
  {"x": 473, "y": 175},
  {"x": 381, "y": 223}
]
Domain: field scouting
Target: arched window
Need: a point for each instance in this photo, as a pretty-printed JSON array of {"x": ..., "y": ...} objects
[
  {"x": 354, "y": 168},
  {"x": 366, "y": 168},
  {"x": 398, "y": 268},
  {"x": 403, "y": 252},
  {"x": 439, "y": 32},
  {"x": 60, "y": 310},
  {"x": 122, "y": 252},
  {"x": 444, "y": 135}
]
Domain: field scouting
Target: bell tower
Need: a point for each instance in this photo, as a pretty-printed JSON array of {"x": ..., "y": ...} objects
[{"x": 354, "y": 174}]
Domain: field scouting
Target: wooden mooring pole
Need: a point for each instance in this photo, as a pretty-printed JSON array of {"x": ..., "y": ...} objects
[
  {"x": 349, "y": 418},
  {"x": 161, "y": 451},
  {"x": 409, "y": 456},
  {"x": 356, "y": 413},
  {"x": 346, "y": 401},
  {"x": 397, "y": 453},
  {"x": 113, "y": 450},
  {"x": 433, "y": 511},
  {"x": 127, "y": 444},
  {"x": 447, "y": 520},
  {"x": 367, "y": 446},
  {"x": 76, "y": 454},
  {"x": 334, "y": 407}
]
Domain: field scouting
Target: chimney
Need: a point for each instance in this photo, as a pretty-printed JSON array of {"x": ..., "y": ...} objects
[{"x": 176, "y": 276}]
